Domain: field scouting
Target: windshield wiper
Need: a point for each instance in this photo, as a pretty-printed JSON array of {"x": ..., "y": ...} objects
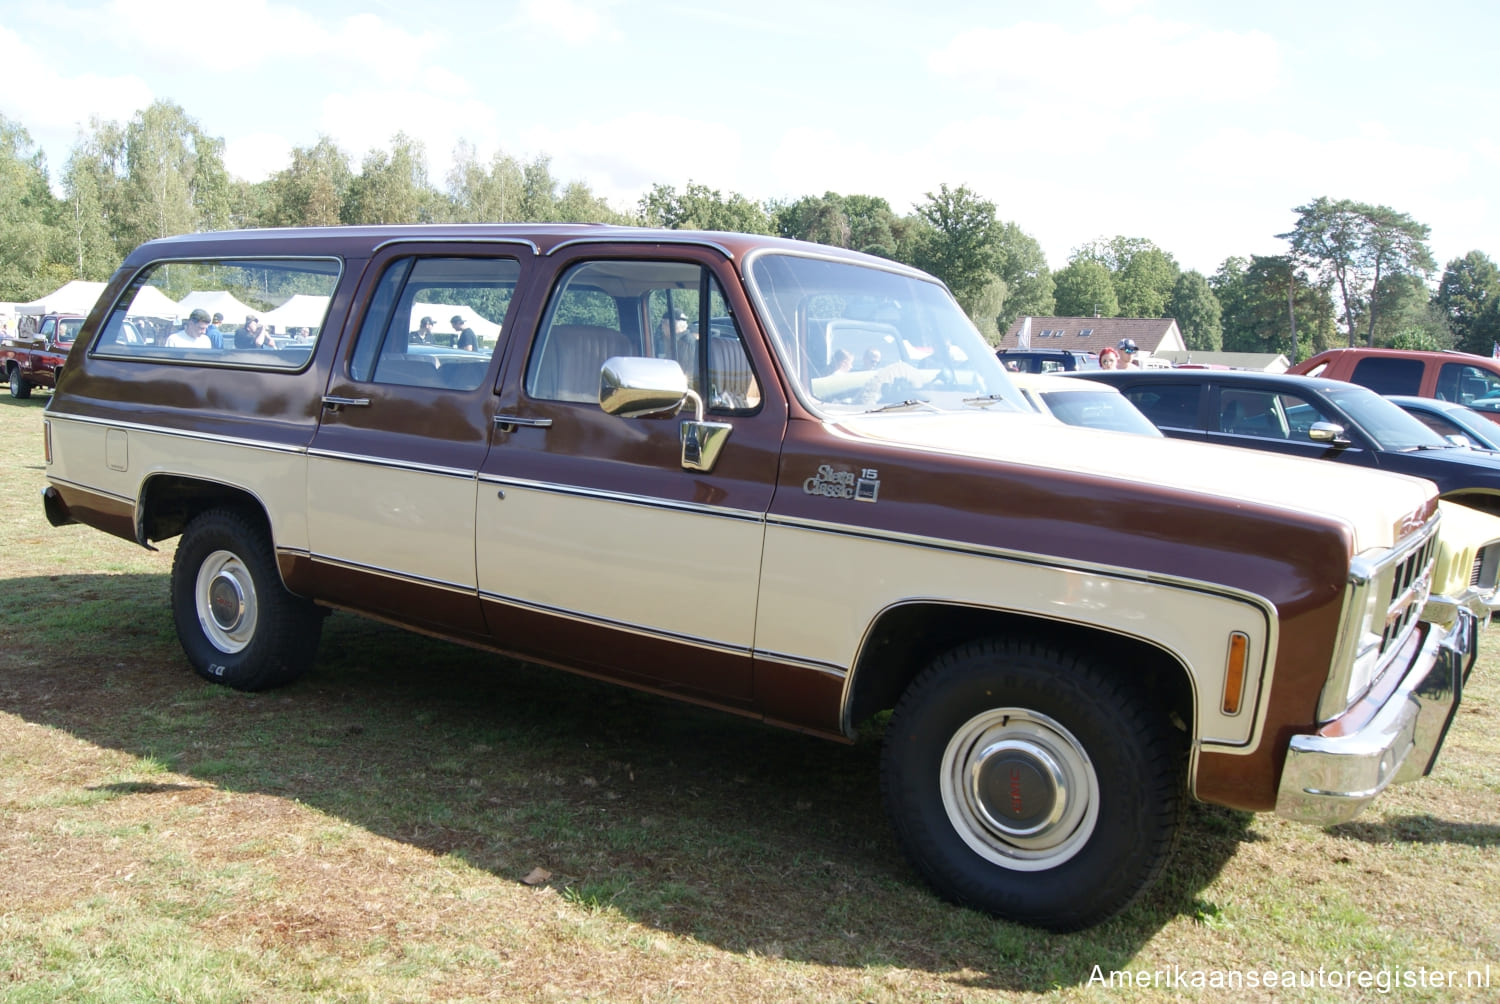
[
  {"x": 906, "y": 405},
  {"x": 985, "y": 400}
]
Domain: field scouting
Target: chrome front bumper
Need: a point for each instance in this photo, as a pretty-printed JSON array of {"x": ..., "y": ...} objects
[{"x": 1329, "y": 779}]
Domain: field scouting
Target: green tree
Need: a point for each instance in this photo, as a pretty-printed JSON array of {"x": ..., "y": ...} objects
[
  {"x": 962, "y": 245},
  {"x": 312, "y": 190},
  {"x": 392, "y": 187},
  {"x": 1469, "y": 288},
  {"x": 27, "y": 217},
  {"x": 173, "y": 179},
  {"x": 698, "y": 207},
  {"x": 1142, "y": 273},
  {"x": 1407, "y": 312},
  {"x": 861, "y": 222},
  {"x": 1356, "y": 246},
  {"x": 480, "y": 193},
  {"x": 1084, "y": 288},
  {"x": 1029, "y": 286},
  {"x": 1269, "y": 305},
  {"x": 1198, "y": 312}
]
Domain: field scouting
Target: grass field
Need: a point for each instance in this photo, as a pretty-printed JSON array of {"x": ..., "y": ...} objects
[{"x": 421, "y": 822}]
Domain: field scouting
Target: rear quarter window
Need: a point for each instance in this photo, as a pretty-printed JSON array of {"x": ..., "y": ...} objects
[
  {"x": 1170, "y": 406},
  {"x": 271, "y": 313},
  {"x": 1387, "y": 375}
]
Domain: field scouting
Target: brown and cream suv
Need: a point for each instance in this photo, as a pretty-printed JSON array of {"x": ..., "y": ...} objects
[{"x": 784, "y": 480}]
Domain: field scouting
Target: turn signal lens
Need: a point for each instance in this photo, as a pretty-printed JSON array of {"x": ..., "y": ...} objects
[{"x": 1234, "y": 672}]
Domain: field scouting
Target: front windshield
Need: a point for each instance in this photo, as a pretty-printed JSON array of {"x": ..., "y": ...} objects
[
  {"x": 1391, "y": 427},
  {"x": 856, "y": 339}
]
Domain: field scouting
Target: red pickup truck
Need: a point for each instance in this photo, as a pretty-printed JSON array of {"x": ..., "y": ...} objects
[
  {"x": 1448, "y": 376},
  {"x": 35, "y": 358}
]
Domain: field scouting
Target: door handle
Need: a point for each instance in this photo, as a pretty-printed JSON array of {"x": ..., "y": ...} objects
[
  {"x": 509, "y": 423},
  {"x": 335, "y": 403}
]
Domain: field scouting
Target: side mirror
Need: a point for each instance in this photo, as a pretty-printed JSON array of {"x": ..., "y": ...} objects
[
  {"x": 1327, "y": 432},
  {"x": 635, "y": 386}
]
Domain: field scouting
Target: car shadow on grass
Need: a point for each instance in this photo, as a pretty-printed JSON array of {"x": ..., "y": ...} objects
[
  {"x": 692, "y": 821},
  {"x": 1420, "y": 828}
]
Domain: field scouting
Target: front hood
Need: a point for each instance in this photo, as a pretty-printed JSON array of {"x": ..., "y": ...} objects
[{"x": 1374, "y": 504}]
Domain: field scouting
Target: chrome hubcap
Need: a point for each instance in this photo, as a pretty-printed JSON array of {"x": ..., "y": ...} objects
[
  {"x": 1019, "y": 789},
  {"x": 225, "y": 599}
]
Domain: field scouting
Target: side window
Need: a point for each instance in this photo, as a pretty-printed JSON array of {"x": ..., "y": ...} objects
[
  {"x": 1169, "y": 406},
  {"x": 1438, "y": 424},
  {"x": 663, "y": 310},
  {"x": 1386, "y": 375},
  {"x": 1252, "y": 413},
  {"x": 274, "y": 313},
  {"x": 1300, "y": 414},
  {"x": 435, "y": 322},
  {"x": 1464, "y": 384}
]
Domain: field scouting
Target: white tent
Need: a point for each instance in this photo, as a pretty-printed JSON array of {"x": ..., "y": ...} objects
[
  {"x": 303, "y": 310},
  {"x": 217, "y": 302},
  {"x": 442, "y": 313},
  {"x": 76, "y": 297},
  {"x": 152, "y": 302}
]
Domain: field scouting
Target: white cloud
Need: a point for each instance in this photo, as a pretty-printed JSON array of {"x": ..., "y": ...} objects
[
  {"x": 570, "y": 21},
  {"x": 257, "y": 156},
  {"x": 359, "y": 121},
  {"x": 621, "y": 158},
  {"x": 254, "y": 34},
  {"x": 1112, "y": 65},
  {"x": 55, "y": 108}
]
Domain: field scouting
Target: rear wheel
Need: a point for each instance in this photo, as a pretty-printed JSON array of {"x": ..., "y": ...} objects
[
  {"x": 237, "y": 623},
  {"x": 1027, "y": 783},
  {"x": 19, "y": 388}
]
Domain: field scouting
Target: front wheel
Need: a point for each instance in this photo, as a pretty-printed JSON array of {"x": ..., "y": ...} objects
[
  {"x": 19, "y": 388},
  {"x": 1023, "y": 781},
  {"x": 237, "y": 623}
]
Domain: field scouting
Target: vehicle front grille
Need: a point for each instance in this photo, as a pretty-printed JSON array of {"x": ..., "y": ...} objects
[{"x": 1411, "y": 579}]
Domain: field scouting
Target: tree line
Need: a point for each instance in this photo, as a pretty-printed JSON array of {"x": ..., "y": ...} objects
[{"x": 1352, "y": 273}]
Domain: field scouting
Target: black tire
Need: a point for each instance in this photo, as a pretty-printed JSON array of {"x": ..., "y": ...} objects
[
  {"x": 237, "y": 623},
  {"x": 19, "y": 388},
  {"x": 1024, "y": 782}
]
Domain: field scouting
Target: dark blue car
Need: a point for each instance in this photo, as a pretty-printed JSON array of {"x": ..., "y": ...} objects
[{"x": 1307, "y": 417}]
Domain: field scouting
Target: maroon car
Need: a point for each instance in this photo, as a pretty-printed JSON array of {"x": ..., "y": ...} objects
[{"x": 788, "y": 481}]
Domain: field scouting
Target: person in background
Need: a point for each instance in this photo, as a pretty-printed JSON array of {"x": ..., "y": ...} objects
[
  {"x": 423, "y": 334},
  {"x": 1128, "y": 350},
  {"x": 1109, "y": 358},
  {"x": 251, "y": 335},
  {"x": 214, "y": 332},
  {"x": 194, "y": 333},
  {"x": 466, "y": 340}
]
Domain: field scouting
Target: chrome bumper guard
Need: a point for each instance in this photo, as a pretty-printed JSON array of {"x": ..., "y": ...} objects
[{"x": 1330, "y": 779}]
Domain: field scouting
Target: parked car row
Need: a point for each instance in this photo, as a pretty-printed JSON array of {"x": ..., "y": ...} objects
[{"x": 1321, "y": 420}]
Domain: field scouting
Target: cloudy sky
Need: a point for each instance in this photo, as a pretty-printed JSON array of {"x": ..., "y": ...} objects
[{"x": 1196, "y": 125}]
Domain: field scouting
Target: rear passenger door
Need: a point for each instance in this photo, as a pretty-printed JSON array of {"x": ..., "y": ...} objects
[
  {"x": 596, "y": 548},
  {"x": 404, "y": 427},
  {"x": 1173, "y": 406}
]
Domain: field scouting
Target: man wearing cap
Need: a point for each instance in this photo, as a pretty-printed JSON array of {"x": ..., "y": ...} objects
[
  {"x": 251, "y": 335},
  {"x": 466, "y": 337},
  {"x": 194, "y": 333},
  {"x": 423, "y": 334}
]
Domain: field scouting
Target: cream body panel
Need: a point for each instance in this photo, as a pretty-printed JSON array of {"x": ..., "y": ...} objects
[
  {"x": 418, "y": 524},
  {"x": 822, "y": 589},
  {"x": 673, "y": 570},
  {"x": 1372, "y": 503},
  {"x": 274, "y": 474}
]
